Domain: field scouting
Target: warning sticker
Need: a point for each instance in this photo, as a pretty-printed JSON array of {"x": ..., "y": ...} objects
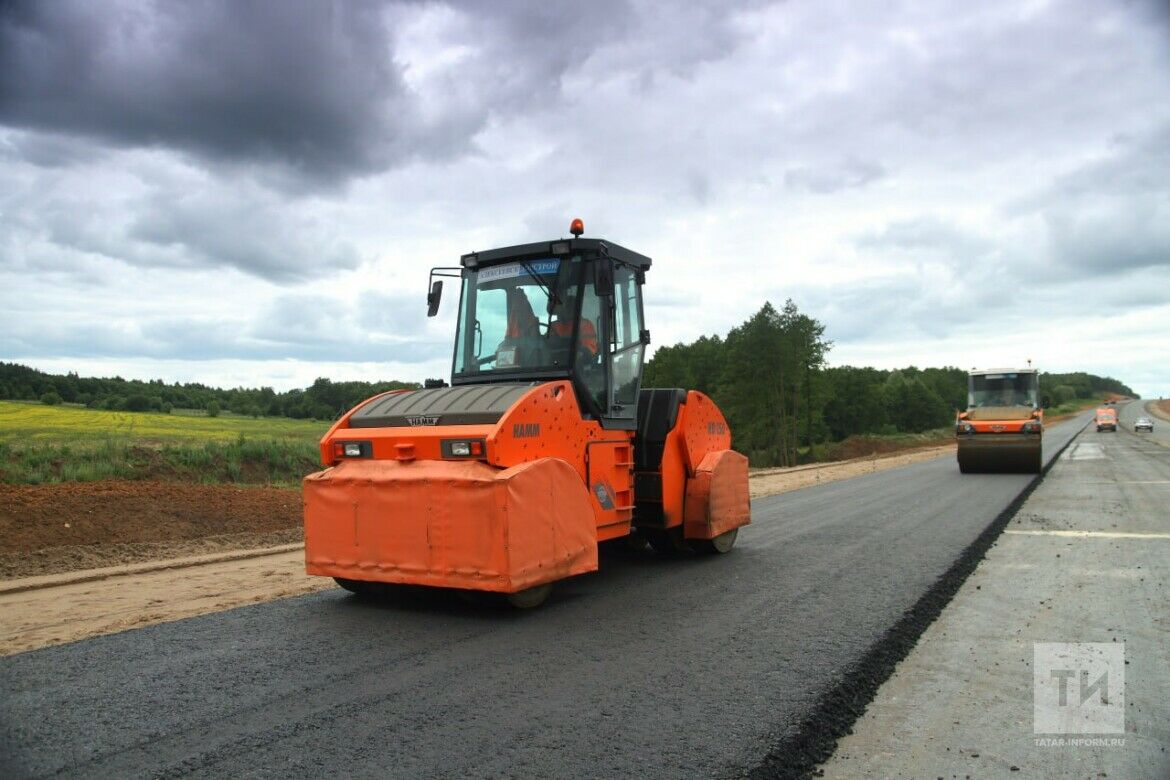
[{"x": 604, "y": 497}]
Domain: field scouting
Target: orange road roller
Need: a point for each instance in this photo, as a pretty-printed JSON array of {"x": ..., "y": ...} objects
[
  {"x": 1105, "y": 418},
  {"x": 543, "y": 445},
  {"x": 1003, "y": 426}
]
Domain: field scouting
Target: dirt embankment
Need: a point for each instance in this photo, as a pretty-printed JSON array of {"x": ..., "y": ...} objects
[{"x": 83, "y": 525}]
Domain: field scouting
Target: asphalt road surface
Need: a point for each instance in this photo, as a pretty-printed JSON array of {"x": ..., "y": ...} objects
[{"x": 651, "y": 667}]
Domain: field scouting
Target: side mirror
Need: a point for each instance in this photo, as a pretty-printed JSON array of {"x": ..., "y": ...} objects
[
  {"x": 603, "y": 277},
  {"x": 434, "y": 296}
]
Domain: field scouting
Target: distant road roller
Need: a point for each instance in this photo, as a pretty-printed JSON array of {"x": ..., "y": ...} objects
[
  {"x": 1106, "y": 419},
  {"x": 543, "y": 445},
  {"x": 1003, "y": 426}
]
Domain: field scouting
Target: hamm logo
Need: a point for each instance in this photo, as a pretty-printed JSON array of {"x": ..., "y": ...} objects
[
  {"x": 526, "y": 430},
  {"x": 422, "y": 420}
]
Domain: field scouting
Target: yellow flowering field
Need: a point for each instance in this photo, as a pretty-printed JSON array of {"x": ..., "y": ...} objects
[{"x": 27, "y": 422}]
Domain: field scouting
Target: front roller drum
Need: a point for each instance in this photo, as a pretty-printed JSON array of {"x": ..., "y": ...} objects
[
  {"x": 443, "y": 524},
  {"x": 718, "y": 502},
  {"x": 719, "y": 545},
  {"x": 1008, "y": 459}
]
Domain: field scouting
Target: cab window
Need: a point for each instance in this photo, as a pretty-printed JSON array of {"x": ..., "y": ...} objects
[{"x": 627, "y": 344}]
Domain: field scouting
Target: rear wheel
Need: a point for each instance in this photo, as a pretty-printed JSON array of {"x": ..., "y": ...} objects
[
  {"x": 529, "y": 598},
  {"x": 358, "y": 587},
  {"x": 666, "y": 541},
  {"x": 717, "y": 546}
]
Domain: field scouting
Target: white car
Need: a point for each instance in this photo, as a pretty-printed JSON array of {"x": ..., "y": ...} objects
[{"x": 1143, "y": 423}]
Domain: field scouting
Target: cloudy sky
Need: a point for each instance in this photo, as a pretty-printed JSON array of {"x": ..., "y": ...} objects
[{"x": 252, "y": 193}]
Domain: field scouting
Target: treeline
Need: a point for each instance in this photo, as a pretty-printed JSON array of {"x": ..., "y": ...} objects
[
  {"x": 323, "y": 400},
  {"x": 1059, "y": 388},
  {"x": 769, "y": 376},
  {"x": 784, "y": 405}
]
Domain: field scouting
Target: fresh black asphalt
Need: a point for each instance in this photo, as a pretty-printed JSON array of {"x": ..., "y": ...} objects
[{"x": 650, "y": 667}]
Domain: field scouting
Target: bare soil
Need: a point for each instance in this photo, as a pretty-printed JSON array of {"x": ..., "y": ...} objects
[
  {"x": 48, "y": 533},
  {"x": 83, "y": 525},
  {"x": 768, "y": 482}
]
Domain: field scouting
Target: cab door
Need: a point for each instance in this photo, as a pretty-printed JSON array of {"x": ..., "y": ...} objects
[{"x": 626, "y": 347}]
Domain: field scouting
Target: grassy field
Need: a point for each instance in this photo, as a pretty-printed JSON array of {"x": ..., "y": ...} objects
[
  {"x": 20, "y": 421},
  {"x": 41, "y": 443}
]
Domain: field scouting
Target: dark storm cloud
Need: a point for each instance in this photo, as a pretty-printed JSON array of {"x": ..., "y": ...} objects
[
  {"x": 304, "y": 83},
  {"x": 326, "y": 90}
]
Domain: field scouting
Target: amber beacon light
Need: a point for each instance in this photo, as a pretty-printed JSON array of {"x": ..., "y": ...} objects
[{"x": 577, "y": 227}]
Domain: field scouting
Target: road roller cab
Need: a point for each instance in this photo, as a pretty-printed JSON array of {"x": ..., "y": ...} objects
[
  {"x": 1003, "y": 425},
  {"x": 543, "y": 445}
]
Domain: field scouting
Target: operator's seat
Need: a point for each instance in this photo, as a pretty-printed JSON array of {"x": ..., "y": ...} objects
[{"x": 657, "y": 415}]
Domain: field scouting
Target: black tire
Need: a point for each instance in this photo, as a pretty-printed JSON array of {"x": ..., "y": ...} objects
[
  {"x": 970, "y": 464},
  {"x": 530, "y": 598},
  {"x": 666, "y": 541},
  {"x": 359, "y": 587},
  {"x": 720, "y": 545}
]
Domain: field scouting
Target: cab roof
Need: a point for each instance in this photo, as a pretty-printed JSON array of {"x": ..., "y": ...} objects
[
  {"x": 986, "y": 371},
  {"x": 558, "y": 248}
]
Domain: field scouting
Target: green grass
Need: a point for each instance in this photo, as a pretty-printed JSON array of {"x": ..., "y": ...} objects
[{"x": 40, "y": 444}]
